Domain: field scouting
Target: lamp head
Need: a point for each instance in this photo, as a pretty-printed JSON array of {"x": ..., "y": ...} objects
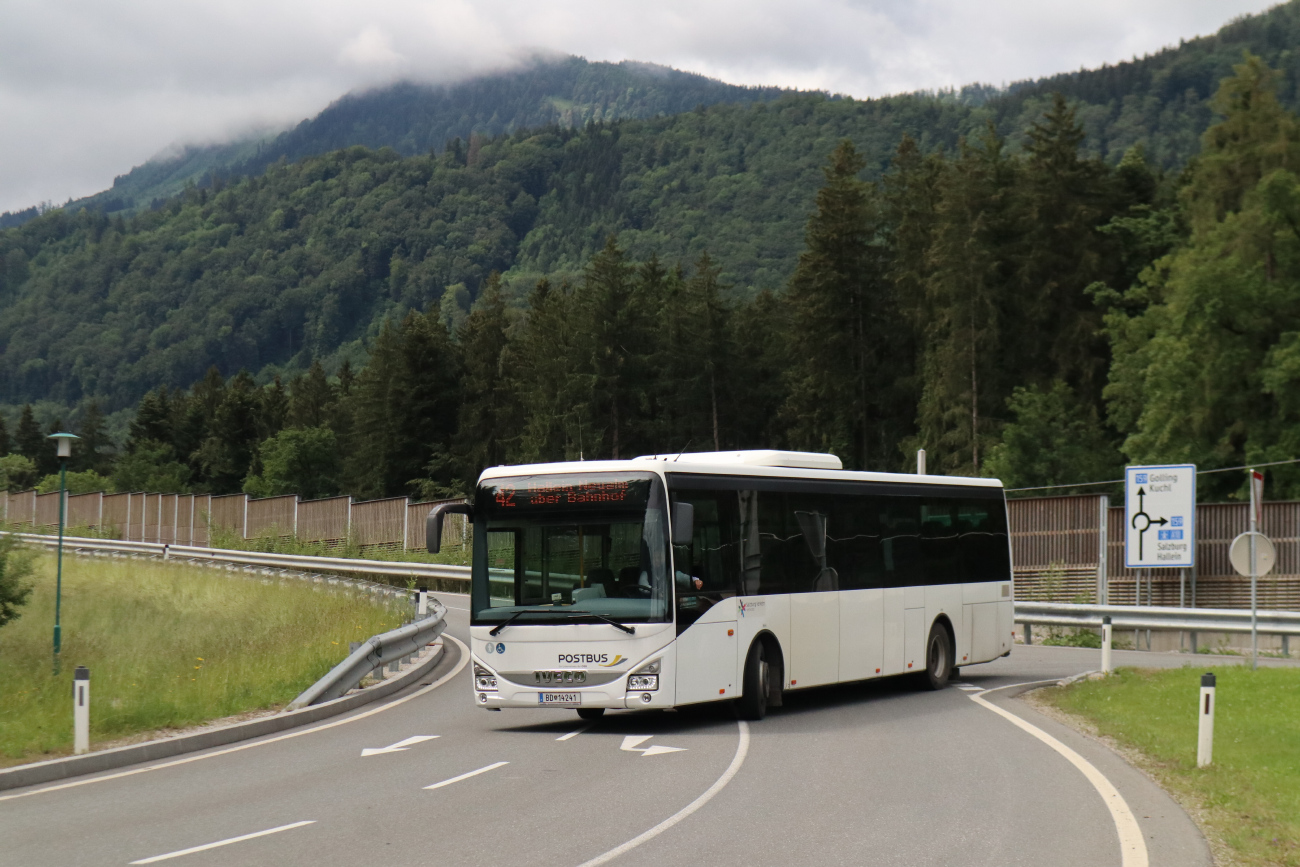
[{"x": 65, "y": 443}]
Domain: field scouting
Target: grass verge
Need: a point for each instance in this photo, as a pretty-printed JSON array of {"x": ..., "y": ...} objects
[
  {"x": 167, "y": 646},
  {"x": 1248, "y": 800}
]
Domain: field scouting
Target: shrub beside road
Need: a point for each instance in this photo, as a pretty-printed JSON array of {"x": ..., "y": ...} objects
[
  {"x": 1249, "y": 798},
  {"x": 168, "y": 646}
]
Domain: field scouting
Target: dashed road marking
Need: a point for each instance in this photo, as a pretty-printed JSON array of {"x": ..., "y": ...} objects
[
  {"x": 239, "y": 839},
  {"x": 492, "y": 767},
  {"x": 573, "y": 734}
]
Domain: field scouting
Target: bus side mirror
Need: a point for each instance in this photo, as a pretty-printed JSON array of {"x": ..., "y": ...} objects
[
  {"x": 683, "y": 523},
  {"x": 433, "y": 523}
]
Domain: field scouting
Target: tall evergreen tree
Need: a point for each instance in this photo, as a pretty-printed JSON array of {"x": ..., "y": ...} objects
[
  {"x": 228, "y": 453},
  {"x": 549, "y": 381},
  {"x": 968, "y": 299},
  {"x": 93, "y": 452},
  {"x": 841, "y": 319},
  {"x": 28, "y": 439},
  {"x": 311, "y": 397},
  {"x": 488, "y": 419},
  {"x": 6, "y": 445}
]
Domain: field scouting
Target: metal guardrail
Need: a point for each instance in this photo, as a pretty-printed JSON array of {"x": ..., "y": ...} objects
[
  {"x": 256, "y": 558},
  {"x": 379, "y": 650},
  {"x": 1157, "y": 618}
]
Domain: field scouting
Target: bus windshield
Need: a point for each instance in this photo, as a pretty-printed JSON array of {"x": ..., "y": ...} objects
[{"x": 564, "y": 548}]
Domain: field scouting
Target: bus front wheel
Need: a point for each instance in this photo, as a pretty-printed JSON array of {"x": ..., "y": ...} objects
[
  {"x": 938, "y": 658},
  {"x": 756, "y": 694}
]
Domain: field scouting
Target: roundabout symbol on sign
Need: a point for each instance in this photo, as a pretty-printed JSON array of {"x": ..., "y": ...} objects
[{"x": 1146, "y": 521}]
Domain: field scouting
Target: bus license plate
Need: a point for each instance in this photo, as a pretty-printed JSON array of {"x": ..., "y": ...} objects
[{"x": 560, "y": 699}]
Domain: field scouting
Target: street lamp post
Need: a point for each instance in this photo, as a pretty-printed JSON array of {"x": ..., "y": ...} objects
[{"x": 64, "y": 441}]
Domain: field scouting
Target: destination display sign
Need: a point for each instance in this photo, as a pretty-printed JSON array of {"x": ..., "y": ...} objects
[
  {"x": 543, "y": 493},
  {"x": 1160, "y": 516}
]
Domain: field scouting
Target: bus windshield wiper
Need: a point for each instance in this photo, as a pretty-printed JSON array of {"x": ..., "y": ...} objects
[
  {"x": 630, "y": 630},
  {"x": 513, "y": 617}
]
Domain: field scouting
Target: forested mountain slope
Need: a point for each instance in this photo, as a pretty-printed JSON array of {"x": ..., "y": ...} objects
[
  {"x": 419, "y": 118},
  {"x": 305, "y": 261},
  {"x": 308, "y": 259}
]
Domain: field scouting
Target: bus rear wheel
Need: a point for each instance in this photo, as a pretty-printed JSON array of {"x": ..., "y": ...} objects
[
  {"x": 591, "y": 713},
  {"x": 756, "y": 690},
  {"x": 938, "y": 658}
]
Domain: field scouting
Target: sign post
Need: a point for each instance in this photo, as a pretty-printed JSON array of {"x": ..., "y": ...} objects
[
  {"x": 1159, "y": 519},
  {"x": 1256, "y": 518}
]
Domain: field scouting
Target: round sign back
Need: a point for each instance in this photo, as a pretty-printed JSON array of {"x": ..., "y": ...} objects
[{"x": 1265, "y": 554}]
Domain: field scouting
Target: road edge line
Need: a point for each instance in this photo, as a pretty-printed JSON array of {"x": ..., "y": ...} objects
[
  {"x": 742, "y": 750},
  {"x": 460, "y": 666},
  {"x": 1132, "y": 845}
]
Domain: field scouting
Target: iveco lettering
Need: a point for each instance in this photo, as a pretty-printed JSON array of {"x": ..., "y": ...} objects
[{"x": 672, "y": 580}]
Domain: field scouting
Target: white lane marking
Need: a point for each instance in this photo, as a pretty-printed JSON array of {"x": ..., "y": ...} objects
[
  {"x": 742, "y": 749},
  {"x": 632, "y": 744},
  {"x": 573, "y": 734},
  {"x": 399, "y": 747},
  {"x": 467, "y": 776},
  {"x": 460, "y": 666},
  {"x": 1132, "y": 847},
  {"x": 207, "y": 846},
  {"x": 966, "y": 687}
]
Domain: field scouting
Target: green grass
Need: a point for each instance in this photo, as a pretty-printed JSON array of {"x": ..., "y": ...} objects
[
  {"x": 167, "y": 646},
  {"x": 1249, "y": 798}
]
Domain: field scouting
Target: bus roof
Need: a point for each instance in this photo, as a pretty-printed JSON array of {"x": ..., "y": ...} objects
[{"x": 765, "y": 463}]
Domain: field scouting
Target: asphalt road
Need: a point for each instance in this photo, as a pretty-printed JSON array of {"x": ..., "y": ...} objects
[{"x": 866, "y": 774}]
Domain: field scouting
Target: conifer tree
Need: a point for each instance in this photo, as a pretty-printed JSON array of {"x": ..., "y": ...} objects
[
  {"x": 6, "y": 446},
  {"x": 28, "y": 439},
  {"x": 93, "y": 452},
  {"x": 840, "y": 313},
  {"x": 968, "y": 298},
  {"x": 488, "y": 420},
  {"x": 311, "y": 397},
  {"x": 227, "y": 454},
  {"x": 550, "y": 382}
]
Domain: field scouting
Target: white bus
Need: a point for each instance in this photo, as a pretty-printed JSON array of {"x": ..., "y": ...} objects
[{"x": 671, "y": 580}]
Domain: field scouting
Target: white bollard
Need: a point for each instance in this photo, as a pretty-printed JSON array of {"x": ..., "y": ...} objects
[
  {"x": 81, "y": 710},
  {"x": 422, "y": 608},
  {"x": 1106, "y": 666},
  {"x": 1205, "y": 734}
]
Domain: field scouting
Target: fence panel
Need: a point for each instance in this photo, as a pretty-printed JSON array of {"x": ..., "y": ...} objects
[
  {"x": 324, "y": 520},
  {"x": 380, "y": 522},
  {"x": 202, "y": 517},
  {"x": 228, "y": 513},
  {"x": 272, "y": 516},
  {"x": 24, "y": 508},
  {"x": 1054, "y": 530},
  {"x": 47, "y": 510},
  {"x": 84, "y": 510},
  {"x": 453, "y": 527}
]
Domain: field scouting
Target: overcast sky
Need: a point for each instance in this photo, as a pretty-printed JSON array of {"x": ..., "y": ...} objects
[{"x": 90, "y": 88}]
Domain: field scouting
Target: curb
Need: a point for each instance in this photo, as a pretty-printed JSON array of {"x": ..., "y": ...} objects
[{"x": 92, "y": 763}]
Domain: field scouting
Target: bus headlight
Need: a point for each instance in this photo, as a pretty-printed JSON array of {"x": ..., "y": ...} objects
[
  {"x": 645, "y": 678},
  {"x": 484, "y": 680}
]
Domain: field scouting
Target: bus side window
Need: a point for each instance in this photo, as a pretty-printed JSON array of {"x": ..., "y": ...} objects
[
  {"x": 853, "y": 545},
  {"x": 940, "y": 541},
  {"x": 983, "y": 541},
  {"x": 901, "y": 541},
  {"x": 712, "y": 556}
]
